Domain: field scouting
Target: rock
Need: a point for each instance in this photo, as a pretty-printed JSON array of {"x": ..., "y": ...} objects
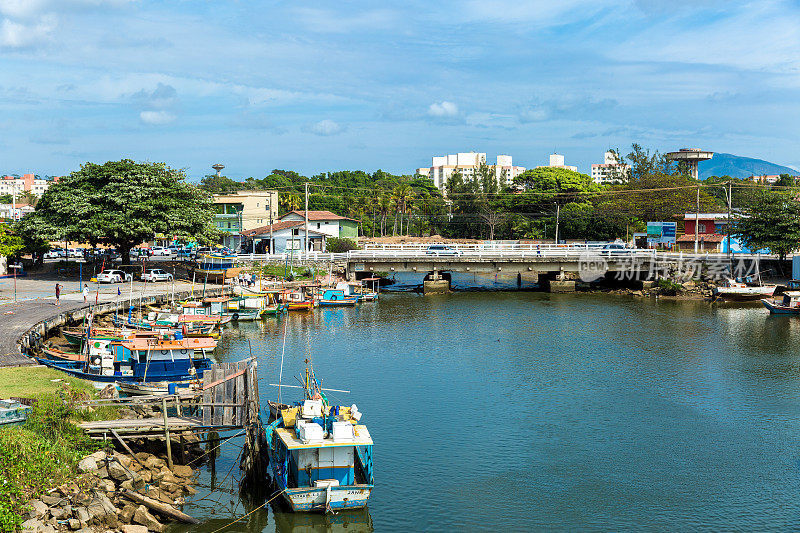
[
  {"x": 101, "y": 507},
  {"x": 102, "y": 472},
  {"x": 99, "y": 455},
  {"x": 123, "y": 459},
  {"x": 168, "y": 487},
  {"x": 117, "y": 471},
  {"x": 32, "y": 526},
  {"x": 182, "y": 471},
  {"x": 154, "y": 463},
  {"x": 126, "y": 515},
  {"x": 82, "y": 514},
  {"x": 188, "y": 489},
  {"x": 169, "y": 478},
  {"x": 38, "y": 509},
  {"x": 110, "y": 391},
  {"x": 108, "y": 485},
  {"x": 142, "y": 516},
  {"x": 87, "y": 464},
  {"x": 147, "y": 476},
  {"x": 58, "y": 513},
  {"x": 142, "y": 456},
  {"x": 74, "y": 523},
  {"x": 51, "y": 500},
  {"x": 133, "y": 528}
]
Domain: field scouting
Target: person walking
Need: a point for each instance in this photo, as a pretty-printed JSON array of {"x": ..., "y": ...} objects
[
  {"x": 58, "y": 294},
  {"x": 85, "y": 292}
]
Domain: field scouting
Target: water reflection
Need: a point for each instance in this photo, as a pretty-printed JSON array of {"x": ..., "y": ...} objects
[{"x": 358, "y": 521}]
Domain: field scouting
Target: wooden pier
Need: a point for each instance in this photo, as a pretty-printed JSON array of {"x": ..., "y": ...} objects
[{"x": 228, "y": 400}]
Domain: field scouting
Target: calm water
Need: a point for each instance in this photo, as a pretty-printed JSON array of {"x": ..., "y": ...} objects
[{"x": 524, "y": 411}]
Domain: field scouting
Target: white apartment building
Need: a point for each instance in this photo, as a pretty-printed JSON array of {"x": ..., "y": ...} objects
[
  {"x": 442, "y": 167},
  {"x": 610, "y": 170},
  {"x": 557, "y": 161},
  {"x": 28, "y": 182}
]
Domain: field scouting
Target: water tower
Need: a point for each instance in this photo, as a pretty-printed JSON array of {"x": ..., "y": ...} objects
[
  {"x": 218, "y": 167},
  {"x": 690, "y": 157}
]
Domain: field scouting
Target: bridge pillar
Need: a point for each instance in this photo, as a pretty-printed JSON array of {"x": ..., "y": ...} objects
[
  {"x": 434, "y": 283},
  {"x": 559, "y": 285}
]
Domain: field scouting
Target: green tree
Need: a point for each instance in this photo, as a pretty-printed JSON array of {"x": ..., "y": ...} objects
[
  {"x": 219, "y": 184},
  {"x": 773, "y": 222},
  {"x": 10, "y": 244},
  {"x": 122, "y": 203},
  {"x": 402, "y": 196}
]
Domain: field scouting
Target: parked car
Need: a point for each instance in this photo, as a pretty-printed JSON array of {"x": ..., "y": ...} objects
[
  {"x": 156, "y": 274},
  {"x": 442, "y": 250},
  {"x": 141, "y": 252},
  {"x": 54, "y": 254},
  {"x": 113, "y": 276},
  {"x": 615, "y": 248},
  {"x": 160, "y": 250}
]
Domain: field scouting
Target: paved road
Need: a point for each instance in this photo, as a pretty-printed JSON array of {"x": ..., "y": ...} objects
[{"x": 36, "y": 302}]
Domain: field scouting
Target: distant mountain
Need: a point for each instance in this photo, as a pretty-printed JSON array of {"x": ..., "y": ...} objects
[{"x": 723, "y": 164}]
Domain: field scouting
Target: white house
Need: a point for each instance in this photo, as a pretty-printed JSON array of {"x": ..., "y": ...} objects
[
  {"x": 326, "y": 222},
  {"x": 442, "y": 167},
  {"x": 283, "y": 236}
]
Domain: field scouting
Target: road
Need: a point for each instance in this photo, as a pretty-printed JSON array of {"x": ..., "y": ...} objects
[{"x": 35, "y": 301}]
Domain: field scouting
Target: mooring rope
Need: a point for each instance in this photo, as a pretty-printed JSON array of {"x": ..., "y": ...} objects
[{"x": 248, "y": 514}]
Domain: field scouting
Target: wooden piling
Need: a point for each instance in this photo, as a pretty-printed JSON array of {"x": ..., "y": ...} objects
[{"x": 166, "y": 432}]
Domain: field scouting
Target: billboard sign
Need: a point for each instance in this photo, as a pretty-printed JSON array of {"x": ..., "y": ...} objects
[{"x": 661, "y": 232}]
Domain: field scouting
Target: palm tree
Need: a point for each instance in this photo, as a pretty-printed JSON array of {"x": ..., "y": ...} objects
[
  {"x": 402, "y": 196},
  {"x": 384, "y": 205},
  {"x": 290, "y": 202}
]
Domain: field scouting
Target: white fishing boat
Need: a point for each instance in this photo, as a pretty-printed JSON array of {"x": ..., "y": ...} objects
[{"x": 732, "y": 289}]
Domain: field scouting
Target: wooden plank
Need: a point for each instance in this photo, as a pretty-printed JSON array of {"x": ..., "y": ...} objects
[
  {"x": 229, "y": 394},
  {"x": 240, "y": 393},
  {"x": 207, "y": 399},
  {"x": 219, "y": 397}
]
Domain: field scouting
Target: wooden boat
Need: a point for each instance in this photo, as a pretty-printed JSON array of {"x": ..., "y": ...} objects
[
  {"x": 320, "y": 455},
  {"x": 156, "y": 389},
  {"x": 55, "y": 353},
  {"x": 732, "y": 289},
  {"x": 297, "y": 300},
  {"x": 788, "y": 305},
  {"x": 215, "y": 267},
  {"x": 13, "y": 413},
  {"x": 369, "y": 289}
]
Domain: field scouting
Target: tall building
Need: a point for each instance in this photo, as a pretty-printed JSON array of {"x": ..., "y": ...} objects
[
  {"x": 242, "y": 211},
  {"x": 557, "y": 161},
  {"x": 442, "y": 167},
  {"x": 610, "y": 170},
  {"x": 27, "y": 183}
]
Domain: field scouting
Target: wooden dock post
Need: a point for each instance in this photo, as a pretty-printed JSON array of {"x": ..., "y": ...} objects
[{"x": 166, "y": 432}]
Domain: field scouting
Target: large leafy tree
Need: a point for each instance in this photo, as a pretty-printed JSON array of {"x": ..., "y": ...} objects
[
  {"x": 10, "y": 244},
  {"x": 122, "y": 203},
  {"x": 773, "y": 222}
]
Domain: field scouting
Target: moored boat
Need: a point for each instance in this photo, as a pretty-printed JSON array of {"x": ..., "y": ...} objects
[
  {"x": 13, "y": 412},
  {"x": 732, "y": 289},
  {"x": 788, "y": 305},
  {"x": 320, "y": 455}
]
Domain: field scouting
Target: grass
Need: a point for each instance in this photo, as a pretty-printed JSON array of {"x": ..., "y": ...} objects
[
  {"x": 42, "y": 454},
  {"x": 278, "y": 271},
  {"x": 29, "y": 381}
]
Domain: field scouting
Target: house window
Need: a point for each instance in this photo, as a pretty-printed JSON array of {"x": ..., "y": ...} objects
[
  {"x": 318, "y": 225},
  {"x": 702, "y": 228}
]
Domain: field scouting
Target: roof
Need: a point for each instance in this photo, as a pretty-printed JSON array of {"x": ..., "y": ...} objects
[
  {"x": 708, "y": 216},
  {"x": 318, "y": 215},
  {"x": 707, "y": 237},
  {"x": 277, "y": 226},
  {"x": 290, "y": 440}
]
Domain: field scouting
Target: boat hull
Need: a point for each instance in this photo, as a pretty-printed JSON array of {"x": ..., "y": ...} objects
[
  {"x": 743, "y": 294},
  {"x": 778, "y": 309},
  {"x": 338, "y": 303},
  {"x": 326, "y": 499}
]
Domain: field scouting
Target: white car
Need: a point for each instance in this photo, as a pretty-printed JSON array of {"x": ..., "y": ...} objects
[
  {"x": 160, "y": 250},
  {"x": 156, "y": 274},
  {"x": 113, "y": 276},
  {"x": 53, "y": 254},
  {"x": 442, "y": 250}
]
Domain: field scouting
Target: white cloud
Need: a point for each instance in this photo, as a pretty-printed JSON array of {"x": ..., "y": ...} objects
[
  {"x": 443, "y": 109},
  {"x": 156, "y": 118},
  {"x": 21, "y": 35},
  {"x": 326, "y": 128}
]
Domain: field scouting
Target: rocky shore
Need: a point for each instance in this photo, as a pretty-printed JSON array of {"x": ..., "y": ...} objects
[{"x": 117, "y": 492}]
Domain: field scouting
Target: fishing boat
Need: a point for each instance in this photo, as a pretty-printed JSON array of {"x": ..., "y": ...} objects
[
  {"x": 215, "y": 267},
  {"x": 157, "y": 389},
  {"x": 343, "y": 294},
  {"x": 732, "y": 289},
  {"x": 13, "y": 413},
  {"x": 369, "y": 289},
  {"x": 297, "y": 300},
  {"x": 320, "y": 455},
  {"x": 788, "y": 305}
]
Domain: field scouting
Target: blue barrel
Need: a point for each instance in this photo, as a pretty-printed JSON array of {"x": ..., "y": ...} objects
[
  {"x": 178, "y": 336},
  {"x": 172, "y": 388}
]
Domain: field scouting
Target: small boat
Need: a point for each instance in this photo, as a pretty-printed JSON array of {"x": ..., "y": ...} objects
[
  {"x": 369, "y": 289},
  {"x": 732, "y": 289},
  {"x": 343, "y": 294},
  {"x": 13, "y": 412},
  {"x": 215, "y": 267},
  {"x": 156, "y": 389},
  {"x": 297, "y": 300},
  {"x": 320, "y": 455},
  {"x": 789, "y": 305},
  {"x": 55, "y": 353}
]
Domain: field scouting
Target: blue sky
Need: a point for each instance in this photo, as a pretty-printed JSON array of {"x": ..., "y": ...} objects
[{"x": 367, "y": 85}]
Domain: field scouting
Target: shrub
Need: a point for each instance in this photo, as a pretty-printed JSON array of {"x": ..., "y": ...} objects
[
  {"x": 669, "y": 287},
  {"x": 335, "y": 245}
]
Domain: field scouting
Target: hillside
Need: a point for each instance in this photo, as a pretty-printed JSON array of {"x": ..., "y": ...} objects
[{"x": 723, "y": 164}]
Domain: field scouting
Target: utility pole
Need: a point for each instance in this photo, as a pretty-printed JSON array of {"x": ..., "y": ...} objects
[
  {"x": 697, "y": 221},
  {"x": 558, "y": 213},
  {"x": 271, "y": 248},
  {"x": 730, "y": 202},
  {"x": 305, "y": 242}
]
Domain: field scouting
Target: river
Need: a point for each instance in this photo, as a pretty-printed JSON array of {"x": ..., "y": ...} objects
[{"x": 520, "y": 411}]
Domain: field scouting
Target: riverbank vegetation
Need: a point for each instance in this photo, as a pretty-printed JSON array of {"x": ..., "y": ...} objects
[{"x": 42, "y": 453}]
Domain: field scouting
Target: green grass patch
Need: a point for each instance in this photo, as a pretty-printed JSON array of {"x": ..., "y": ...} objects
[
  {"x": 276, "y": 270},
  {"x": 30, "y": 381},
  {"x": 42, "y": 454}
]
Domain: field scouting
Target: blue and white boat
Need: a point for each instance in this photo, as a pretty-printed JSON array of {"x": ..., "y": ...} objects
[
  {"x": 13, "y": 413},
  {"x": 320, "y": 455},
  {"x": 789, "y": 305},
  {"x": 343, "y": 294}
]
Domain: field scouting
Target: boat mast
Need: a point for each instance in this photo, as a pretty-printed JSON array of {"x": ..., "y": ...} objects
[{"x": 283, "y": 351}]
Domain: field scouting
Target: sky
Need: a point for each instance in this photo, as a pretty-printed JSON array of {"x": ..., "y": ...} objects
[{"x": 324, "y": 86}]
